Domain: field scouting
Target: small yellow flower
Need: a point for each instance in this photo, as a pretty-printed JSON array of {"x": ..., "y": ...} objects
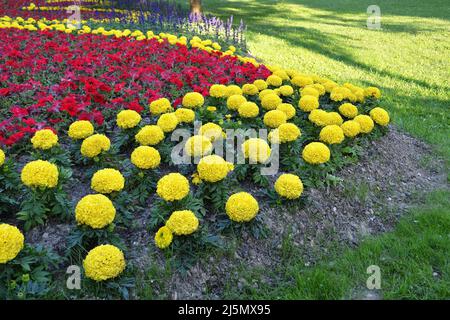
[{"x": 164, "y": 237}]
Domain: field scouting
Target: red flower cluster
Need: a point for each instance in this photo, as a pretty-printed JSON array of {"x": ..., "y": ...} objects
[{"x": 53, "y": 78}]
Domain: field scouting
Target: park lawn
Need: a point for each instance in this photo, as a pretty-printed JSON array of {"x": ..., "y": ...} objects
[{"x": 408, "y": 60}]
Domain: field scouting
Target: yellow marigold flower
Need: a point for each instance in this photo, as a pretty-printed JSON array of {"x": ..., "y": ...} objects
[
  {"x": 351, "y": 128},
  {"x": 308, "y": 103},
  {"x": 41, "y": 174},
  {"x": 320, "y": 88},
  {"x": 248, "y": 110},
  {"x": 265, "y": 92},
  {"x": 211, "y": 109},
  {"x": 185, "y": 115},
  {"x": 168, "y": 122},
  {"x": 95, "y": 210},
  {"x": 145, "y": 157},
  {"x": 340, "y": 93},
  {"x": 94, "y": 145},
  {"x": 286, "y": 91},
  {"x": 331, "y": 134},
  {"x": 316, "y": 153},
  {"x": 365, "y": 122},
  {"x": 198, "y": 146},
  {"x": 235, "y": 101},
  {"x": 274, "y": 80},
  {"x": 348, "y": 110},
  {"x": 271, "y": 101},
  {"x": 329, "y": 85},
  {"x": 193, "y": 100},
  {"x": 334, "y": 118},
  {"x": 380, "y": 116},
  {"x": 182, "y": 223},
  {"x": 107, "y": 181},
  {"x": 164, "y": 237},
  {"x": 127, "y": 119},
  {"x": 233, "y": 89},
  {"x": 301, "y": 81},
  {"x": 11, "y": 242},
  {"x": 150, "y": 135},
  {"x": 218, "y": 91},
  {"x": 160, "y": 106},
  {"x": 250, "y": 89},
  {"x": 288, "y": 109},
  {"x": 309, "y": 91},
  {"x": 256, "y": 150},
  {"x": 282, "y": 74},
  {"x": 44, "y": 139},
  {"x": 289, "y": 186},
  {"x": 213, "y": 168},
  {"x": 211, "y": 130},
  {"x": 81, "y": 129},
  {"x": 372, "y": 92},
  {"x": 172, "y": 186},
  {"x": 286, "y": 132},
  {"x": 260, "y": 84},
  {"x": 104, "y": 262},
  {"x": 274, "y": 118},
  {"x": 2, "y": 157},
  {"x": 241, "y": 207}
]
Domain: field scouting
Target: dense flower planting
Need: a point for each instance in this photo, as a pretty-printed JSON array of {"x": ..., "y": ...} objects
[{"x": 97, "y": 112}]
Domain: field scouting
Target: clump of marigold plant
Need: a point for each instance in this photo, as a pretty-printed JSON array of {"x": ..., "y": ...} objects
[
  {"x": 145, "y": 157},
  {"x": 44, "y": 139},
  {"x": 107, "y": 180},
  {"x": 182, "y": 222},
  {"x": 11, "y": 242},
  {"x": 81, "y": 129},
  {"x": 150, "y": 135},
  {"x": 316, "y": 153},
  {"x": 163, "y": 237},
  {"x": 40, "y": 174},
  {"x": 213, "y": 168},
  {"x": 104, "y": 262},
  {"x": 95, "y": 211},
  {"x": 289, "y": 186},
  {"x": 173, "y": 187},
  {"x": 241, "y": 207},
  {"x": 94, "y": 145}
]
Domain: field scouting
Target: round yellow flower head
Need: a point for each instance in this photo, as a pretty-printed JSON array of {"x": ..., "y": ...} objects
[
  {"x": 95, "y": 210},
  {"x": 233, "y": 89},
  {"x": 274, "y": 81},
  {"x": 41, "y": 174},
  {"x": 185, "y": 115},
  {"x": 286, "y": 132},
  {"x": 160, "y": 106},
  {"x": 94, "y": 145},
  {"x": 329, "y": 85},
  {"x": 274, "y": 118},
  {"x": 271, "y": 101},
  {"x": 319, "y": 88},
  {"x": 235, "y": 101},
  {"x": 182, "y": 223},
  {"x": 127, "y": 119},
  {"x": 301, "y": 81},
  {"x": 340, "y": 93},
  {"x": 248, "y": 110},
  {"x": 2, "y": 157},
  {"x": 332, "y": 134},
  {"x": 145, "y": 157},
  {"x": 365, "y": 122},
  {"x": 193, "y": 100},
  {"x": 107, "y": 181},
  {"x": 286, "y": 91},
  {"x": 250, "y": 89},
  {"x": 241, "y": 207},
  {"x": 218, "y": 91},
  {"x": 316, "y": 153},
  {"x": 11, "y": 242},
  {"x": 163, "y": 238},
  {"x": 81, "y": 129},
  {"x": 372, "y": 92},
  {"x": 351, "y": 128},
  {"x": 308, "y": 103},
  {"x": 211, "y": 130},
  {"x": 150, "y": 135},
  {"x": 260, "y": 84},
  {"x": 288, "y": 109},
  {"x": 173, "y": 186},
  {"x": 168, "y": 122},
  {"x": 309, "y": 91},
  {"x": 334, "y": 118},
  {"x": 44, "y": 139},
  {"x": 380, "y": 116},
  {"x": 282, "y": 74},
  {"x": 198, "y": 146},
  {"x": 348, "y": 110},
  {"x": 265, "y": 92},
  {"x": 213, "y": 168},
  {"x": 289, "y": 186},
  {"x": 104, "y": 262},
  {"x": 256, "y": 150}
]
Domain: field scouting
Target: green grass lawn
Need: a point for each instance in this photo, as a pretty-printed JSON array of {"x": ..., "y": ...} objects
[{"x": 409, "y": 60}]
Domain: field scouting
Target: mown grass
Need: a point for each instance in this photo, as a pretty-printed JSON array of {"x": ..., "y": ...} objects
[{"x": 408, "y": 60}]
